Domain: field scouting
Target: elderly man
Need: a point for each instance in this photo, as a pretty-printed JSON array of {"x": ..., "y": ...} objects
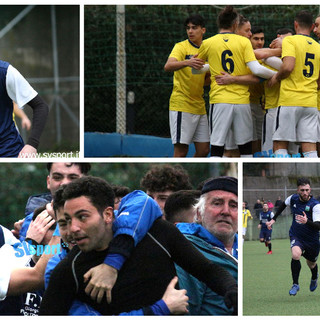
[{"x": 214, "y": 234}]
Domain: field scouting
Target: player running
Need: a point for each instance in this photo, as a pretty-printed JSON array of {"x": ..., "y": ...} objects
[
  {"x": 304, "y": 232},
  {"x": 265, "y": 233}
]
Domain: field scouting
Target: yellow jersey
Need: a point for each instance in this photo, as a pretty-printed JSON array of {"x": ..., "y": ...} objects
[
  {"x": 187, "y": 93},
  {"x": 300, "y": 88},
  {"x": 245, "y": 215},
  {"x": 227, "y": 52}
]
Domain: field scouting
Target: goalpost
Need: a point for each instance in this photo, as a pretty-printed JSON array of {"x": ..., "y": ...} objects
[{"x": 121, "y": 70}]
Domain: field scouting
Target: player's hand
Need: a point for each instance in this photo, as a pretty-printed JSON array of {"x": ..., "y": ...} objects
[
  {"x": 17, "y": 227},
  {"x": 39, "y": 227},
  {"x": 26, "y": 123},
  {"x": 176, "y": 300},
  {"x": 276, "y": 43},
  {"x": 224, "y": 78},
  {"x": 259, "y": 226},
  {"x": 196, "y": 63},
  {"x": 270, "y": 223},
  {"x": 272, "y": 81},
  {"x": 28, "y": 152},
  {"x": 301, "y": 219},
  {"x": 102, "y": 279}
]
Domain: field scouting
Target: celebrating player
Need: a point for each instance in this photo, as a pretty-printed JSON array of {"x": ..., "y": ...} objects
[
  {"x": 188, "y": 117},
  {"x": 230, "y": 105},
  {"x": 297, "y": 116},
  {"x": 304, "y": 232}
]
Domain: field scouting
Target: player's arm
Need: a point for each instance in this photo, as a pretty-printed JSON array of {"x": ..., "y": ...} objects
[
  {"x": 315, "y": 222},
  {"x": 267, "y": 52},
  {"x": 274, "y": 62},
  {"x": 30, "y": 279},
  {"x": 285, "y": 70},
  {"x": 129, "y": 230},
  {"x": 225, "y": 78},
  {"x": 174, "y": 64},
  {"x": 40, "y": 115},
  {"x": 259, "y": 70},
  {"x": 25, "y": 121}
]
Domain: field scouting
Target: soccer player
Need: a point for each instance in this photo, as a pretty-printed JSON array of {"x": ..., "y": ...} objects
[
  {"x": 230, "y": 105},
  {"x": 187, "y": 113},
  {"x": 304, "y": 232},
  {"x": 16, "y": 88},
  {"x": 246, "y": 214},
  {"x": 297, "y": 116},
  {"x": 265, "y": 233}
]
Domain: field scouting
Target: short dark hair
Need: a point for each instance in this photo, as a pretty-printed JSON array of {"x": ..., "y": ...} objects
[
  {"x": 256, "y": 29},
  {"x": 120, "y": 191},
  {"x": 304, "y": 18},
  {"x": 38, "y": 210},
  {"x": 303, "y": 181},
  {"x": 98, "y": 191},
  {"x": 227, "y": 17},
  {"x": 179, "y": 201},
  {"x": 285, "y": 31},
  {"x": 166, "y": 177},
  {"x": 58, "y": 200},
  {"x": 84, "y": 167},
  {"x": 195, "y": 19},
  {"x": 242, "y": 20}
]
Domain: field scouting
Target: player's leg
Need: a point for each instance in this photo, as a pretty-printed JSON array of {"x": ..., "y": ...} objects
[
  {"x": 201, "y": 137},
  {"x": 268, "y": 241},
  {"x": 285, "y": 130},
  {"x": 180, "y": 150},
  {"x": 311, "y": 255},
  {"x": 242, "y": 126},
  {"x": 220, "y": 120},
  {"x": 307, "y": 132},
  {"x": 296, "y": 253},
  {"x": 182, "y": 128},
  {"x": 314, "y": 274}
]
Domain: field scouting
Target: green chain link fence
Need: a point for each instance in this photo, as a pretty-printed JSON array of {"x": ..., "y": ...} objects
[{"x": 151, "y": 32}]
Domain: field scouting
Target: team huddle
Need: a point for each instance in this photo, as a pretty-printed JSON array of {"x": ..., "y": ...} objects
[{"x": 263, "y": 101}]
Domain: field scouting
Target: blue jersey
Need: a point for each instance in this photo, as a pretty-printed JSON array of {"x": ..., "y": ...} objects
[
  {"x": 303, "y": 232},
  {"x": 10, "y": 140},
  {"x": 265, "y": 217}
]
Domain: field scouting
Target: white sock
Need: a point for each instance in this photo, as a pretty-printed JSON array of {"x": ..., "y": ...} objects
[
  {"x": 246, "y": 156},
  {"x": 310, "y": 154},
  {"x": 282, "y": 152}
]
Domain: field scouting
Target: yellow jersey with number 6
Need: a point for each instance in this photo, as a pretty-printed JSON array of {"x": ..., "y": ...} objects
[{"x": 227, "y": 52}]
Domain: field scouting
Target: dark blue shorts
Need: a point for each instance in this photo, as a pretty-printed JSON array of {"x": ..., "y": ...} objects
[
  {"x": 265, "y": 234},
  {"x": 309, "y": 252}
]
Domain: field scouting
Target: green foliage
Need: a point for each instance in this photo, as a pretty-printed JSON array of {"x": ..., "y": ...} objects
[
  {"x": 267, "y": 280},
  {"x": 151, "y": 33}
]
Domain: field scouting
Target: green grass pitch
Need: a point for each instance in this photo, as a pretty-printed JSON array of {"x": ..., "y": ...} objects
[{"x": 267, "y": 280}]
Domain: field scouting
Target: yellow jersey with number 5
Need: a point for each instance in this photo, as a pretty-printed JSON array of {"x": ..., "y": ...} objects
[
  {"x": 300, "y": 88},
  {"x": 227, "y": 52}
]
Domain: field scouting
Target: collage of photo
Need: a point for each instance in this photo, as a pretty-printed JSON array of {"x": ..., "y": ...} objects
[{"x": 135, "y": 134}]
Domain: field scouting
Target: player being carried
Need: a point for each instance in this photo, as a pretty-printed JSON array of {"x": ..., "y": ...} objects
[
  {"x": 265, "y": 233},
  {"x": 304, "y": 232}
]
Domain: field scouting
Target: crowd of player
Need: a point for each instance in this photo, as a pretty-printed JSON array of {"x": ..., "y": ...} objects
[
  {"x": 123, "y": 261},
  {"x": 249, "y": 115}
]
